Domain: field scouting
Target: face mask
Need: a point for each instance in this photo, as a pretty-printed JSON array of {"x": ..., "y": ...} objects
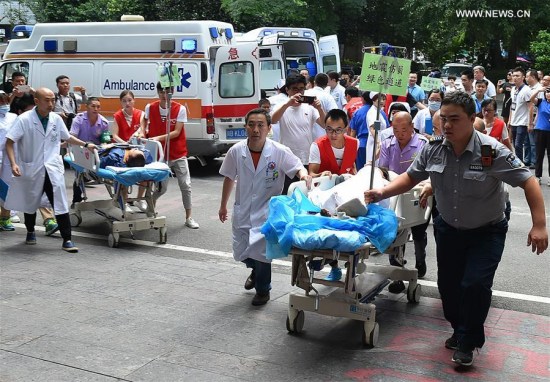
[
  {"x": 4, "y": 108},
  {"x": 434, "y": 105}
]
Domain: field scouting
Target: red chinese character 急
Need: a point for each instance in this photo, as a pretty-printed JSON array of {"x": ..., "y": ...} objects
[{"x": 233, "y": 54}]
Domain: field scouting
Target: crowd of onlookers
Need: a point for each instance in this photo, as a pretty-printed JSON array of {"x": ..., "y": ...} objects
[{"x": 521, "y": 122}]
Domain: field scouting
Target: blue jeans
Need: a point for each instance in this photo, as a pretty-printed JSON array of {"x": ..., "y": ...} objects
[
  {"x": 467, "y": 261},
  {"x": 262, "y": 275},
  {"x": 522, "y": 139}
]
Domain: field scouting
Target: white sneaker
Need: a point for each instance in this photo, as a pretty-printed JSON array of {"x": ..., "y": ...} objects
[
  {"x": 129, "y": 209},
  {"x": 14, "y": 217},
  {"x": 142, "y": 205},
  {"x": 191, "y": 223}
]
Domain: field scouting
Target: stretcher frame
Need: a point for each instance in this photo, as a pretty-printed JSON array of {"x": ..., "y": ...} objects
[
  {"x": 86, "y": 167},
  {"x": 353, "y": 297}
]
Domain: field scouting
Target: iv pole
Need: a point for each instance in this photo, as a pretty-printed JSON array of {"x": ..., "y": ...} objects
[
  {"x": 385, "y": 51},
  {"x": 169, "y": 94}
]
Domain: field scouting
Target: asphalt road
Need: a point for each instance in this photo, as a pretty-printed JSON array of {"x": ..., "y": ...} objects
[{"x": 520, "y": 272}]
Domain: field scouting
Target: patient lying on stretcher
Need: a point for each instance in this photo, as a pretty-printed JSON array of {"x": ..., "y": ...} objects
[
  {"x": 115, "y": 156},
  {"x": 352, "y": 188}
]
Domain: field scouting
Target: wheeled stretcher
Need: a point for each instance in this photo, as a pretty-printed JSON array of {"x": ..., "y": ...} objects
[
  {"x": 118, "y": 181},
  {"x": 353, "y": 296}
]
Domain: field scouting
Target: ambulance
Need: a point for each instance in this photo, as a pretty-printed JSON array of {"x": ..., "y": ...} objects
[
  {"x": 302, "y": 50},
  {"x": 219, "y": 76}
]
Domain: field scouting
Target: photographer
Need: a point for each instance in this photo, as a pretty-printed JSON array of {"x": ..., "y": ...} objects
[
  {"x": 67, "y": 103},
  {"x": 297, "y": 118}
]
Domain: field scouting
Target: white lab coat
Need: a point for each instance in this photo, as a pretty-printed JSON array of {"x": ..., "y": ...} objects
[
  {"x": 253, "y": 190},
  {"x": 37, "y": 152},
  {"x": 6, "y": 122}
]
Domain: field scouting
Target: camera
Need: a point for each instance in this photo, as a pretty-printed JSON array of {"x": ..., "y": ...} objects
[{"x": 306, "y": 99}]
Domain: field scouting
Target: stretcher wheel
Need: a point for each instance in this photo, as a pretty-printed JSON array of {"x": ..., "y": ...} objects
[
  {"x": 413, "y": 294},
  {"x": 295, "y": 321},
  {"x": 75, "y": 219},
  {"x": 370, "y": 334},
  {"x": 162, "y": 235},
  {"x": 113, "y": 240}
]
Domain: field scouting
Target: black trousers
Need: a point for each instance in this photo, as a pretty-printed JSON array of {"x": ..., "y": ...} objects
[
  {"x": 466, "y": 264},
  {"x": 62, "y": 220},
  {"x": 542, "y": 145}
]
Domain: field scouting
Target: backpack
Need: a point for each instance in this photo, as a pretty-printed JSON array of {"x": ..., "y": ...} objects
[{"x": 71, "y": 94}]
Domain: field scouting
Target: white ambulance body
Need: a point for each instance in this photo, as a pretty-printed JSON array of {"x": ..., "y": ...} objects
[
  {"x": 301, "y": 49},
  {"x": 219, "y": 77}
]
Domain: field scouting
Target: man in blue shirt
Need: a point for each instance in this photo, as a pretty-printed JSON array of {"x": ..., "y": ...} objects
[
  {"x": 360, "y": 130},
  {"x": 417, "y": 93}
]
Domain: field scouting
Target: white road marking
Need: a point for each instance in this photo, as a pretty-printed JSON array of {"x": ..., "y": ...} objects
[{"x": 516, "y": 296}]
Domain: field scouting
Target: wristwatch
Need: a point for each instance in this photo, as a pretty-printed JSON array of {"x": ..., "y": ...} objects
[{"x": 86, "y": 144}]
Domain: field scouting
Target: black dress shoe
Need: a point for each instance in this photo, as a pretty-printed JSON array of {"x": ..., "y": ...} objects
[
  {"x": 250, "y": 281},
  {"x": 463, "y": 356},
  {"x": 451, "y": 343},
  {"x": 421, "y": 267},
  {"x": 396, "y": 286},
  {"x": 260, "y": 299}
]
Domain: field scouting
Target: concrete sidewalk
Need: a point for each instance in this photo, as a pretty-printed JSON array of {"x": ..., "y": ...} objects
[{"x": 146, "y": 314}]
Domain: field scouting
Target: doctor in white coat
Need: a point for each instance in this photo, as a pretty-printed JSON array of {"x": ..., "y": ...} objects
[
  {"x": 38, "y": 168},
  {"x": 259, "y": 167}
]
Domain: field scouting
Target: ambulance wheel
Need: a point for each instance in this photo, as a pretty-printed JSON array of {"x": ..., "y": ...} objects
[
  {"x": 370, "y": 334},
  {"x": 295, "y": 321},
  {"x": 75, "y": 219},
  {"x": 113, "y": 240},
  {"x": 162, "y": 235},
  {"x": 413, "y": 294}
]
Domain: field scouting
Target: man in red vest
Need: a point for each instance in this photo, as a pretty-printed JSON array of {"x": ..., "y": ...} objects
[
  {"x": 334, "y": 153},
  {"x": 156, "y": 115}
]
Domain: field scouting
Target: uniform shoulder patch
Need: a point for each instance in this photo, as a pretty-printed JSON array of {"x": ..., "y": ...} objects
[
  {"x": 436, "y": 140},
  {"x": 422, "y": 138},
  {"x": 514, "y": 161}
]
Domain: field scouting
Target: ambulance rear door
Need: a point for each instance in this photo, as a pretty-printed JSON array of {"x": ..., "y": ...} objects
[
  {"x": 235, "y": 89},
  {"x": 329, "y": 51},
  {"x": 271, "y": 65}
]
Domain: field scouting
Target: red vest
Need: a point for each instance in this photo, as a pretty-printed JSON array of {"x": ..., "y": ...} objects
[
  {"x": 328, "y": 160},
  {"x": 390, "y": 100},
  {"x": 353, "y": 105},
  {"x": 157, "y": 126},
  {"x": 125, "y": 131},
  {"x": 496, "y": 131}
]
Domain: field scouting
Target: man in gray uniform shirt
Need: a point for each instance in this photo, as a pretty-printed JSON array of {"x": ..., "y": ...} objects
[{"x": 467, "y": 169}]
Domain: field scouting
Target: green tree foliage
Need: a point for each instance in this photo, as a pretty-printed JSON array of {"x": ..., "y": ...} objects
[
  {"x": 112, "y": 10},
  {"x": 540, "y": 47},
  {"x": 439, "y": 32},
  {"x": 442, "y": 33},
  {"x": 324, "y": 16},
  {"x": 14, "y": 13}
]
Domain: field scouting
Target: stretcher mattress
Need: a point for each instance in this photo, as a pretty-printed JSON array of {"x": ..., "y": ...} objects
[{"x": 128, "y": 176}]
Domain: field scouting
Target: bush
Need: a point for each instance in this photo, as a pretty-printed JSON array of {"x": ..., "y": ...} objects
[{"x": 540, "y": 47}]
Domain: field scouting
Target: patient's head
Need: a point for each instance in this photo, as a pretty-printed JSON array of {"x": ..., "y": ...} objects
[
  {"x": 479, "y": 125},
  {"x": 135, "y": 158}
]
